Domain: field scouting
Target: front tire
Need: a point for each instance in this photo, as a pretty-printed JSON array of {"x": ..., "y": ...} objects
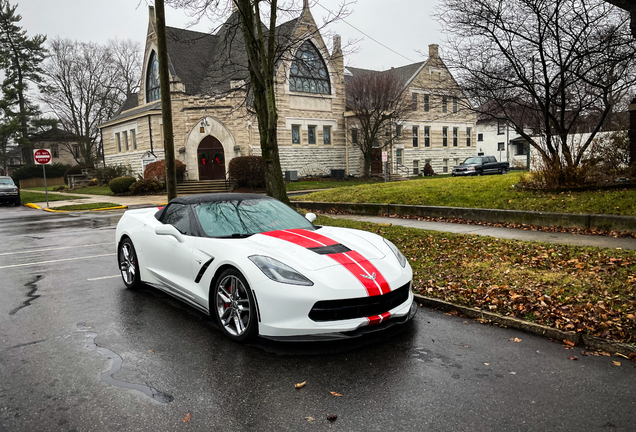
[
  {"x": 233, "y": 305},
  {"x": 128, "y": 264},
  {"x": 17, "y": 202}
]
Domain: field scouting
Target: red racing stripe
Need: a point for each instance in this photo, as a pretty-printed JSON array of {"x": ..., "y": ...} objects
[
  {"x": 377, "y": 319},
  {"x": 357, "y": 265}
]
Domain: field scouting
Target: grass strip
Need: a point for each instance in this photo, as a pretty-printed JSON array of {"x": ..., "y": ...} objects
[
  {"x": 87, "y": 206},
  {"x": 87, "y": 190},
  {"x": 32, "y": 197},
  {"x": 492, "y": 192},
  {"x": 580, "y": 289}
]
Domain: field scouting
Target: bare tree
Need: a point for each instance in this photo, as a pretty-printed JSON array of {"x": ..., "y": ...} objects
[
  {"x": 84, "y": 86},
  {"x": 266, "y": 46},
  {"x": 379, "y": 105},
  {"x": 542, "y": 65}
]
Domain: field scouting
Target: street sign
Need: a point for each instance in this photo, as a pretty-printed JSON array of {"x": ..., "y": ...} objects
[
  {"x": 385, "y": 156},
  {"x": 42, "y": 157}
]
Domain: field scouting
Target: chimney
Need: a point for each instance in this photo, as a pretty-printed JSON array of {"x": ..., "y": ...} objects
[
  {"x": 433, "y": 50},
  {"x": 337, "y": 44}
]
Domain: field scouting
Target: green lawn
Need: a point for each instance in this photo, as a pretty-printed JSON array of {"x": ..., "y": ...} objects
[
  {"x": 89, "y": 206},
  {"x": 88, "y": 190},
  {"x": 495, "y": 192},
  {"x": 328, "y": 184},
  {"x": 590, "y": 290},
  {"x": 33, "y": 197}
]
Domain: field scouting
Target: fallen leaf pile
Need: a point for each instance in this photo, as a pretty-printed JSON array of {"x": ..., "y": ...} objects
[{"x": 583, "y": 290}]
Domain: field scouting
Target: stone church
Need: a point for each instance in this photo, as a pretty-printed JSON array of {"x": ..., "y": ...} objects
[{"x": 213, "y": 121}]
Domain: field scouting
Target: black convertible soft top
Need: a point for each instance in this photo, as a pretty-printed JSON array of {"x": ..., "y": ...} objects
[{"x": 213, "y": 197}]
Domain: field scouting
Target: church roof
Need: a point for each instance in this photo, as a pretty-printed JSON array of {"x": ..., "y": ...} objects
[{"x": 404, "y": 73}]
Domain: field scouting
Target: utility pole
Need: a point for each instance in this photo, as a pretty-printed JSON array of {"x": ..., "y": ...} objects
[{"x": 166, "y": 103}]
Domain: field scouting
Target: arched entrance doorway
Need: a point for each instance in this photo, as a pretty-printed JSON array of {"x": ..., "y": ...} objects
[{"x": 211, "y": 159}]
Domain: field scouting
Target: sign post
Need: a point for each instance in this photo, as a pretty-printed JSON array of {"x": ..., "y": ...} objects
[{"x": 43, "y": 157}]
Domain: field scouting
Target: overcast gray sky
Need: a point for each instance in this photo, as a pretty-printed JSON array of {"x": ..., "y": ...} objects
[{"x": 404, "y": 26}]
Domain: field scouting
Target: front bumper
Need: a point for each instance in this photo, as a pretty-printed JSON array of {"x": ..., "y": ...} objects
[
  {"x": 463, "y": 173},
  {"x": 9, "y": 196}
]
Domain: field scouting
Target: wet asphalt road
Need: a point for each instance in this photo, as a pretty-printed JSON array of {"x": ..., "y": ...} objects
[{"x": 79, "y": 352}]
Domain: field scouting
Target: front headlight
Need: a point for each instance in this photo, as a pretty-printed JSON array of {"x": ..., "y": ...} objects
[
  {"x": 471, "y": 168},
  {"x": 279, "y": 272},
  {"x": 401, "y": 258}
]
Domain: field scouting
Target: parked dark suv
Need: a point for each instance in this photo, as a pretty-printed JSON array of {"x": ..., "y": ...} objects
[{"x": 9, "y": 192}]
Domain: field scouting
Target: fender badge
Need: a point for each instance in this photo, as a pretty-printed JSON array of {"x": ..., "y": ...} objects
[{"x": 371, "y": 277}]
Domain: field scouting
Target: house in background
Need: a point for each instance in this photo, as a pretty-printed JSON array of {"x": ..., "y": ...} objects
[
  {"x": 498, "y": 138},
  {"x": 62, "y": 144}
]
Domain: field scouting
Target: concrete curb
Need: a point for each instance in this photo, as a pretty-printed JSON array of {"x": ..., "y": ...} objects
[
  {"x": 547, "y": 219},
  {"x": 37, "y": 207},
  {"x": 529, "y": 327}
]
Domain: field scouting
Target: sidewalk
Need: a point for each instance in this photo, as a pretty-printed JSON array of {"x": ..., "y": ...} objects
[
  {"x": 502, "y": 233},
  {"x": 129, "y": 201}
]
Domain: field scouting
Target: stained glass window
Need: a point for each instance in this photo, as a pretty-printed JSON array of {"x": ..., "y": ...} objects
[
  {"x": 308, "y": 71},
  {"x": 153, "y": 92}
]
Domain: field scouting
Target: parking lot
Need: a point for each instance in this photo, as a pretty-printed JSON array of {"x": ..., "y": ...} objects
[{"x": 80, "y": 352}]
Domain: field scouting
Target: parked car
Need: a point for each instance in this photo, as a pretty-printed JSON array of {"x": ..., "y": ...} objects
[
  {"x": 9, "y": 192},
  {"x": 260, "y": 268},
  {"x": 480, "y": 165}
]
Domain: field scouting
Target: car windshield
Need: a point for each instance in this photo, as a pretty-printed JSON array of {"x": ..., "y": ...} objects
[
  {"x": 472, "y": 160},
  {"x": 248, "y": 216},
  {"x": 6, "y": 181}
]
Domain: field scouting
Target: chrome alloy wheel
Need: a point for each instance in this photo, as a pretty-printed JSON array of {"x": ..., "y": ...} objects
[
  {"x": 128, "y": 263},
  {"x": 233, "y": 305}
]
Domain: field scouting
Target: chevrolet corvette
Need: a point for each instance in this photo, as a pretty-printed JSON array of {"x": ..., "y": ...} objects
[{"x": 259, "y": 268}]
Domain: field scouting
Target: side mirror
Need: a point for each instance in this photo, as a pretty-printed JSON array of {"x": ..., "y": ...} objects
[
  {"x": 311, "y": 217},
  {"x": 169, "y": 230}
]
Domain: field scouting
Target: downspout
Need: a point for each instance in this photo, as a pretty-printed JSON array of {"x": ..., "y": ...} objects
[
  {"x": 152, "y": 150},
  {"x": 346, "y": 136}
]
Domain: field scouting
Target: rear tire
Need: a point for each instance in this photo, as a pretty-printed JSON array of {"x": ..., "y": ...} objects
[
  {"x": 128, "y": 264},
  {"x": 233, "y": 306}
]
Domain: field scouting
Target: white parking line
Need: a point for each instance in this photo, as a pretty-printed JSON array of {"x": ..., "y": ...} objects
[
  {"x": 103, "y": 277},
  {"x": 55, "y": 261},
  {"x": 58, "y": 248}
]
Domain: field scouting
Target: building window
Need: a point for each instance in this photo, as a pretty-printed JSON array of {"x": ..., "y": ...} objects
[
  {"x": 445, "y": 136},
  {"x": 480, "y": 137},
  {"x": 501, "y": 128},
  {"x": 133, "y": 138},
  {"x": 76, "y": 151},
  {"x": 311, "y": 134},
  {"x": 118, "y": 142},
  {"x": 55, "y": 152},
  {"x": 444, "y": 104},
  {"x": 354, "y": 136},
  {"x": 521, "y": 149},
  {"x": 501, "y": 146},
  {"x": 153, "y": 91},
  {"x": 398, "y": 130},
  {"x": 455, "y": 136},
  {"x": 308, "y": 72},
  {"x": 326, "y": 134},
  {"x": 468, "y": 136},
  {"x": 414, "y": 102},
  {"x": 455, "y": 104},
  {"x": 295, "y": 134},
  {"x": 416, "y": 167},
  {"x": 445, "y": 166},
  {"x": 415, "y": 136},
  {"x": 125, "y": 135},
  {"x": 398, "y": 156},
  {"x": 427, "y": 107},
  {"x": 427, "y": 136}
]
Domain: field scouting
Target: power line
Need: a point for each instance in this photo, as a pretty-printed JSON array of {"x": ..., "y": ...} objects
[{"x": 366, "y": 35}]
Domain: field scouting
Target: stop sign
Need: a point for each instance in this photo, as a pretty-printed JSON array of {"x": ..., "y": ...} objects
[{"x": 42, "y": 156}]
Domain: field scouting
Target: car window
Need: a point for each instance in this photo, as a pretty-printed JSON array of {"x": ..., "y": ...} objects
[
  {"x": 472, "y": 160},
  {"x": 6, "y": 181},
  {"x": 177, "y": 216},
  {"x": 247, "y": 216}
]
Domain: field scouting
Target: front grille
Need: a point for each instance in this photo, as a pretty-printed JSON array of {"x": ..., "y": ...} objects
[{"x": 335, "y": 310}]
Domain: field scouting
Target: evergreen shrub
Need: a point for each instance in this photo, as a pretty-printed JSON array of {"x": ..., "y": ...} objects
[
  {"x": 157, "y": 170},
  {"x": 146, "y": 186},
  {"x": 121, "y": 185},
  {"x": 248, "y": 171}
]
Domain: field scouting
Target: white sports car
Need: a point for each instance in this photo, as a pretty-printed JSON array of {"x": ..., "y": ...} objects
[{"x": 260, "y": 268}]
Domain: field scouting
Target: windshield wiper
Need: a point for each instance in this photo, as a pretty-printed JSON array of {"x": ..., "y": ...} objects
[{"x": 237, "y": 235}]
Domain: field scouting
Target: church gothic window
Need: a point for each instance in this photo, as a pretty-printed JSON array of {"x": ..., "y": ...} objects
[
  {"x": 308, "y": 71},
  {"x": 152, "y": 79}
]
